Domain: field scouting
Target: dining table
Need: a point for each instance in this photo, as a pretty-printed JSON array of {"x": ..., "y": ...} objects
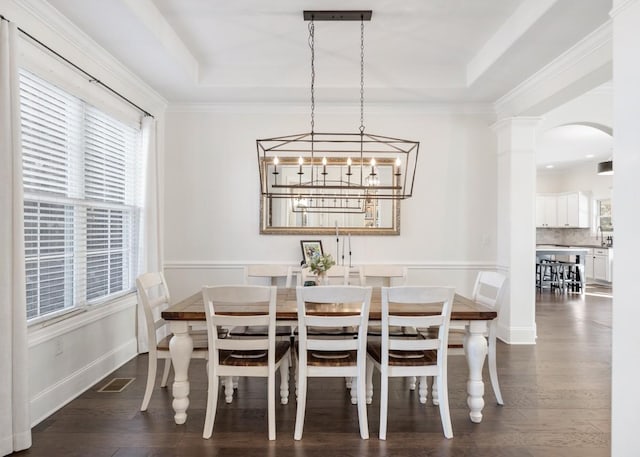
[{"x": 189, "y": 312}]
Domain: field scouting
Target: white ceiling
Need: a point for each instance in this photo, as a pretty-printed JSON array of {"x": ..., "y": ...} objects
[
  {"x": 562, "y": 147},
  {"x": 442, "y": 51}
]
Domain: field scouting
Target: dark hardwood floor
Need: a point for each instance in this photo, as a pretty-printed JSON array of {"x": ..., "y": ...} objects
[{"x": 556, "y": 393}]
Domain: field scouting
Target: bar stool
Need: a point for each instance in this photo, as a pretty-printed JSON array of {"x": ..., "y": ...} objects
[
  {"x": 551, "y": 272},
  {"x": 573, "y": 276}
]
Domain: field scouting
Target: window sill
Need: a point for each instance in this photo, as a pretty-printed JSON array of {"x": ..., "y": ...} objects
[{"x": 44, "y": 331}]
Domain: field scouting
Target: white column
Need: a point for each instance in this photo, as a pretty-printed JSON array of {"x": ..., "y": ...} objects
[
  {"x": 516, "y": 226},
  {"x": 625, "y": 404}
]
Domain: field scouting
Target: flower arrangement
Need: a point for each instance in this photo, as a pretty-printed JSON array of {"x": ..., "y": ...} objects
[{"x": 321, "y": 263}]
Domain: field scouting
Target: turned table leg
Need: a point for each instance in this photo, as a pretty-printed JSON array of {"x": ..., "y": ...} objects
[
  {"x": 181, "y": 348},
  {"x": 475, "y": 347}
]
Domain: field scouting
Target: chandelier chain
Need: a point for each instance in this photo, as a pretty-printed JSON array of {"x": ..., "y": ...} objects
[
  {"x": 313, "y": 71},
  {"x": 362, "y": 75}
]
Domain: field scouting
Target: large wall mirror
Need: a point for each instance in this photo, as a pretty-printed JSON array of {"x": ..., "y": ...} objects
[{"x": 296, "y": 215}]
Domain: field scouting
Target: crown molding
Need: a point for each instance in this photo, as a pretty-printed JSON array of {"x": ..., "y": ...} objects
[
  {"x": 485, "y": 109},
  {"x": 589, "y": 47},
  {"x": 48, "y": 25}
]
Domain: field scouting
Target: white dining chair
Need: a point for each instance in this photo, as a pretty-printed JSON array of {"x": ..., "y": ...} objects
[
  {"x": 488, "y": 290},
  {"x": 322, "y": 356},
  {"x": 336, "y": 275},
  {"x": 260, "y": 272},
  {"x": 420, "y": 357},
  {"x": 271, "y": 272},
  {"x": 384, "y": 275},
  {"x": 252, "y": 357},
  {"x": 153, "y": 294}
]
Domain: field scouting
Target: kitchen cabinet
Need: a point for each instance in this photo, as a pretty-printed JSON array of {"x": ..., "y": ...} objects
[
  {"x": 546, "y": 211},
  {"x": 599, "y": 264},
  {"x": 566, "y": 210}
]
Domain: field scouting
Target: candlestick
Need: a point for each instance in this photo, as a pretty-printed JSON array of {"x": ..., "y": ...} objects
[
  {"x": 343, "y": 250},
  {"x": 398, "y": 164},
  {"x": 350, "y": 250},
  {"x": 337, "y": 242}
]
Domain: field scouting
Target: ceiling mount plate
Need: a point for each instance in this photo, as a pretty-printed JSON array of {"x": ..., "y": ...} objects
[{"x": 350, "y": 15}]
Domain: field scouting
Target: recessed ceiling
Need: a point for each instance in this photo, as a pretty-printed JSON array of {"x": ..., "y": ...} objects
[
  {"x": 568, "y": 145},
  {"x": 445, "y": 51}
]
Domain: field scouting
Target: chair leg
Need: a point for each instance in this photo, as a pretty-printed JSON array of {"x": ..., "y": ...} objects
[
  {"x": 445, "y": 417},
  {"x": 212, "y": 404},
  {"x": 362, "y": 405},
  {"x": 271, "y": 403},
  {"x": 165, "y": 374},
  {"x": 302, "y": 401},
  {"x": 493, "y": 369},
  {"x": 151, "y": 381},
  {"x": 384, "y": 402}
]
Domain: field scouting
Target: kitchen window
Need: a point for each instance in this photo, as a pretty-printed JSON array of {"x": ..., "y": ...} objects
[{"x": 82, "y": 187}]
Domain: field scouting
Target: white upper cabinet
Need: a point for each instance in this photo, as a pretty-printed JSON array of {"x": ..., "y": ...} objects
[
  {"x": 546, "y": 211},
  {"x": 566, "y": 210}
]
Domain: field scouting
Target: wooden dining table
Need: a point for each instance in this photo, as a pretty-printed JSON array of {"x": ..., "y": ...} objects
[{"x": 190, "y": 312}]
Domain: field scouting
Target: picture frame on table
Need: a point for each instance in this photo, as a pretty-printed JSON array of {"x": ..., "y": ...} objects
[{"x": 309, "y": 249}]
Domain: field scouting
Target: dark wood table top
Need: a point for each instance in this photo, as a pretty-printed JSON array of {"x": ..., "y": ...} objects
[{"x": 192, "y": 308}]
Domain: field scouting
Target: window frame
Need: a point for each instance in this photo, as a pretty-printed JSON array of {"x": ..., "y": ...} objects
[{"x": 130, "y": 208}]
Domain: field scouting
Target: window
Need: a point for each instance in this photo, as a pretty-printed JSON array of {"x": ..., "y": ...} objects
[{"x": 81, "y": 200}]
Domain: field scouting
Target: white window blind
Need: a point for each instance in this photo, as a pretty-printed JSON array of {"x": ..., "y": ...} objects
[{"x": 81, "y": 185}]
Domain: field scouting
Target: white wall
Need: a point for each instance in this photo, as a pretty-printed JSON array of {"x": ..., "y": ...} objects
[
  {"x": 69, "y": 356},
  {"x": 212, "y": 193},
  {"x": 582, "y": 177}
]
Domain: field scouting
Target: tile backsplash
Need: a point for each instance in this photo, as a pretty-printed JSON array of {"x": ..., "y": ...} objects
[{"x": 571, "y": 237}]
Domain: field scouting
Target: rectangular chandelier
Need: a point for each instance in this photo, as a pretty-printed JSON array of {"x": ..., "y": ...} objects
[
  {"x": 320, "y": 167},
  {"x": 337, "y": 166}
]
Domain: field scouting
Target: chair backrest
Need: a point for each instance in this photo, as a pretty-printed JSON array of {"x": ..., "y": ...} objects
[
  {"x": 393, "y": 314},
  {"x": 488, "y": 289},
  {"x": 153, "y": 293},
  {"x": 354, "y": 298},
  {"x": 392, "y": 275},
  {"x": 268, "y": 271},
  {"x": 337, "y": 275},
  {"x": 241, "y": 295}
]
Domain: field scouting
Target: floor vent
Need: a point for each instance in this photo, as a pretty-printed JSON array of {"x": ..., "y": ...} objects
[{"x": 116, "y": 385}]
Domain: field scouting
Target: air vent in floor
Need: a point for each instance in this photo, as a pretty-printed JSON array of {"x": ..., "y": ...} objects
[{"x": 116, "y": 385}]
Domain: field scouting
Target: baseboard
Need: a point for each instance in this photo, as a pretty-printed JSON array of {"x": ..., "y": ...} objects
[
  {"x": 517, "y": 335},
  {"x": 59, "y": 394}
]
